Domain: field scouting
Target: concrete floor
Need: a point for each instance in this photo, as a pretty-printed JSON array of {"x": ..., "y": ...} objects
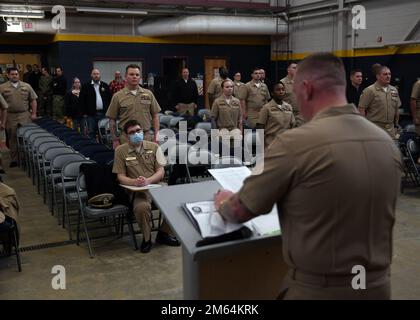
[{"x": 118, "y": 272}]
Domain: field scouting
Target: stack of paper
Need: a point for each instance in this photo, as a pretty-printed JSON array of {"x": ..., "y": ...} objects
[{"x": 232, "y": 179}]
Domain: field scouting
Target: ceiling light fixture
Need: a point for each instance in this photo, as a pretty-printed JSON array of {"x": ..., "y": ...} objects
[{"x": 22, "y": 13}]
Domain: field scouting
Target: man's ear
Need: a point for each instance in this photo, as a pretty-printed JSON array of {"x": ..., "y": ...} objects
[{"x": 309, "y": 89}]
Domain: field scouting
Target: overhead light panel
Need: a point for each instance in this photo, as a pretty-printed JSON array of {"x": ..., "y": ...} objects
[
  {"x": 22, "y": 13},
  {"x": 14, "y": 26},
  {"x": 112, "y": 11}
]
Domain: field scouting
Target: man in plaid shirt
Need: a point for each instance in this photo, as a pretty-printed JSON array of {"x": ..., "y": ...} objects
[{"x": 117, "y": 84}]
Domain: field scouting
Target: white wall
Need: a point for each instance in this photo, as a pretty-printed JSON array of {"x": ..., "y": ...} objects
[{"x": 389, "y": 19}]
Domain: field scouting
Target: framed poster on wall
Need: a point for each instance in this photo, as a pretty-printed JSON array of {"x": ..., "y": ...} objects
[{"x": 108, "y": 68}]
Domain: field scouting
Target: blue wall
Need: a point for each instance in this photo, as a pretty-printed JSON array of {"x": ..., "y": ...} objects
[{"x": 77, "y": 57}]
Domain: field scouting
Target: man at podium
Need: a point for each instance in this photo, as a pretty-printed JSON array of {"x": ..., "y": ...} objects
[{"x": 335, "y": 181}]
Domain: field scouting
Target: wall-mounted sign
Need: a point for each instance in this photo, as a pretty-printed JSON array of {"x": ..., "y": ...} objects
[{"x": 28, "y": 26}]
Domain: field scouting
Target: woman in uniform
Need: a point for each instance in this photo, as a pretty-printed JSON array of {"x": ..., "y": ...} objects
[
  {"x": 226, "y": 115},
  {"x": 276, "y": 116}
]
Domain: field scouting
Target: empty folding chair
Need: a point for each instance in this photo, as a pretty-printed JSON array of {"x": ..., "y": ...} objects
[
  {"x": 31, "y": 151},
  {"x": 87, "y": 212},
  {"x": 54, "y": 126},
  {"x": 57, "y": 185},
  {"x": 204, "y": 126},
  {"x": 174, "y": 122},
  {"x": 88, "y": 151},
  {"x": 25, "y": 138},
  {"x": 60, "y": 131},
  {"x": 199, "y": 161},
  {"x": 79, "y": 145},
  {"x": 413, "y": 166},
  {"x": 19, "y": 133},
  {"x": 70, "y": 172},
  {"x": 48, "y": 156},
  {"x": 35, "y": 155},
  {"x": 69, "y": 136},
  {"x": 103, "y": 157},
  {"x": 72, "y": 140},
  {"x": 44, "y": 121},
  {"x": 43, "y": 147},
  {"x": 164, "y": 121}
]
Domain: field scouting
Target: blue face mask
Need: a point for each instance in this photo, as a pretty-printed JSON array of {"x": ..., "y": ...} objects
[{"x": 136, "y": 138}]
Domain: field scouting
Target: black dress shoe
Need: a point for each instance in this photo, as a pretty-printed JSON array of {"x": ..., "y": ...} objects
[
  {"x": 164, "y": 238},
  {"x": 13, "y": 164},
  {"x": 146, "y": 246},
  {"x": 2, "y": 171}
]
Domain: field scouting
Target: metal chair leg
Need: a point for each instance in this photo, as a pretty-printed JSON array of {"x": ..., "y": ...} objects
[
  {"x": 131, "y": 231},
  {"x": 78, "y": 228},
  {"x": 87, "y": 235},
  {"x": 15, "y": 243}
]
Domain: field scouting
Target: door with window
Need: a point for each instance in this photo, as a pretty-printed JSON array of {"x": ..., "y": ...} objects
[{"x": 211, "y": 70}]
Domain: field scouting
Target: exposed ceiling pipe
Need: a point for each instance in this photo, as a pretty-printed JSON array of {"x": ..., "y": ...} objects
[
  {"x": 392, "y": 44},
  {"x": 320, "y": 14},
  {"x": 201, "y": 24}
]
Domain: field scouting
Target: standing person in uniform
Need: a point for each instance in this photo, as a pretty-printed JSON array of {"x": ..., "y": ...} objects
[
  {"x": 95, "y": 97},
  {"x": 140, "y": 163},
  {"x": 117, "y": 84},
  {"x": 238, "y": 85},
  {"x": 226, "y": 110},
  {"x": 354, "y": 87},
  {"x": 59, "y": 89},
  {"x": 3, "y": 117},
  {"x": 214, "y": 89},
  {"x": 45, "y": 93},
  {"x": 253, "y": 98},
  {"x": 371, "y": 79},
  {"x": 73, "y": 107},
  {"x": 185, "y": 95},
  {"x": 226, "y": 113},
  {"x": 289, "y": 95},
  {"x": 276, "y": 116},
  {"x": 133, "y": 103},
  {"x": 415, "y": 105},
  {"x": 21, "y": 99},
  {"x": 266, "y": 80},
  {"x": 3, "y": 77},
  {"x": 313, "y": 179},
  {"x": 380, "y": 102}
]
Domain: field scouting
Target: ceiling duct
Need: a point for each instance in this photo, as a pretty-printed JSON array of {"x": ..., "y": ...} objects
[{"x": 216, "y": 25}]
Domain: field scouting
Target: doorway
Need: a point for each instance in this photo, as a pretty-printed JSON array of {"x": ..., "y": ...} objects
[
  {"x": 171, "y": 72},
  {"x": 211, "y": 70},
  {"x": 19, "y": 60}
]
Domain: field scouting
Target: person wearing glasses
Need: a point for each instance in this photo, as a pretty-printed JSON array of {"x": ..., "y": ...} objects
[{"x": 139, "y": 163}]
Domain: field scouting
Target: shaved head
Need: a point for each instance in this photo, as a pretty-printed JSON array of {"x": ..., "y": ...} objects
[
  {"x": 320, "y": 82},
  {"x": 324, "y": 70}
]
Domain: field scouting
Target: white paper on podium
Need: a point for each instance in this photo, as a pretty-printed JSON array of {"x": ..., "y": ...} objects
[
  {"x": 209, "y": 221},
  {"x": 232, "y": 179}
]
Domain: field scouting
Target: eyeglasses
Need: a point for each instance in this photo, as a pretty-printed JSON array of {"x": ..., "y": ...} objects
[{"x": 133, "y": 132}]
